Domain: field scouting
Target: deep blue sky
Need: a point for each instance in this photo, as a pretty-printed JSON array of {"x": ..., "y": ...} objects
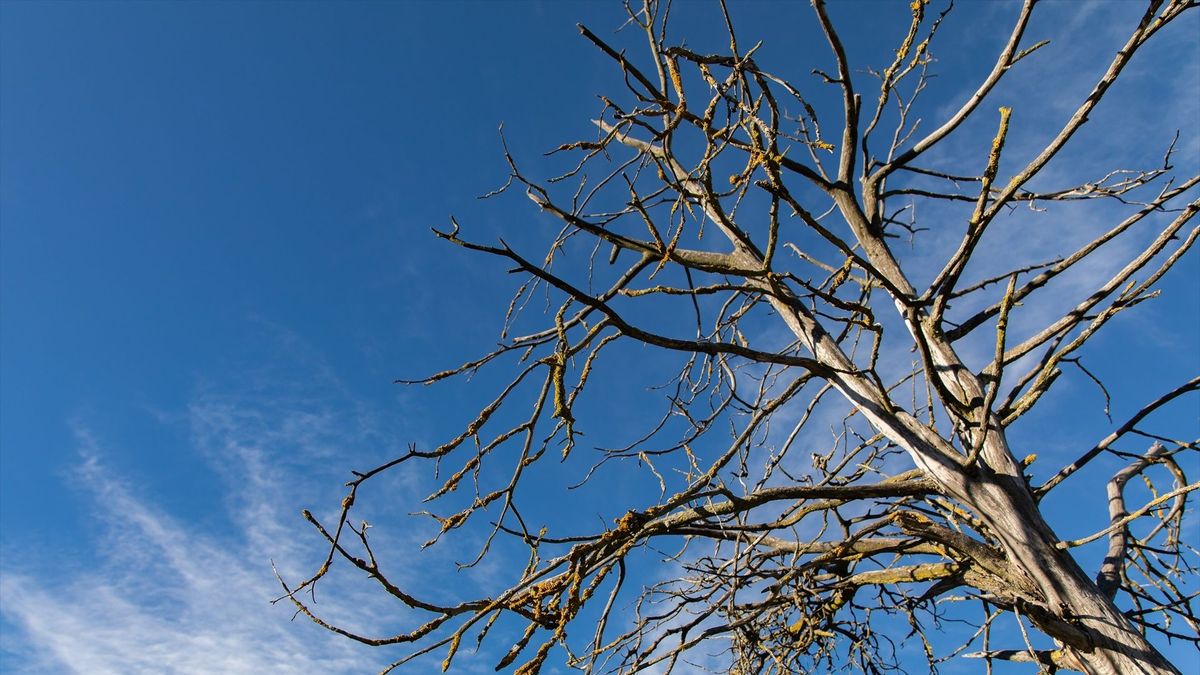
[{"x": 215, "y": 248}]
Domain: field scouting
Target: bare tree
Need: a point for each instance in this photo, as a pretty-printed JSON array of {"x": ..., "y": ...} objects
[{"x": 714, "y": 204}]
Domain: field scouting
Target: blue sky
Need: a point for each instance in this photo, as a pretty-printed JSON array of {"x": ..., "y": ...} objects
[{"x": 215, "y": 258}]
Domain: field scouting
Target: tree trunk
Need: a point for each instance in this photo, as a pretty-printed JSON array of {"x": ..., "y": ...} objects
[
  {"x": 1096, "y": 636},
  {"x": 1052, "y": 590}
]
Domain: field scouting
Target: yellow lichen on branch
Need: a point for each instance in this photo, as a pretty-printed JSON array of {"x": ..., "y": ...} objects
[
  {"x": 450, "y": 654},
  {"x": 993, "y": 164},
  {"x": 451, "y": 522},
  {"x": 558, "y": 367}
]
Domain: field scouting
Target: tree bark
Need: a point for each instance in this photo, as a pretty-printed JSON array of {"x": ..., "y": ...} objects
[
  {"x": 1073, "y": 610},
  {"x": 1056, "y": 594}
]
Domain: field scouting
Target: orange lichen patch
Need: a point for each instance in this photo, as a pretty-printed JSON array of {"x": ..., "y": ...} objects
[
  {"x": 451, "y": 522},
  {"x": 541, "y": 600},
  {"x": 676, "y": 80},
  {"x": 841, "y": 275},
  {"x": 758, "y": 158},
  {"x": 626, "y": 524}
]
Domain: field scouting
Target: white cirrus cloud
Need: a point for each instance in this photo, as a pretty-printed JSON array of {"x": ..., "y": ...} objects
[{"x": 167, "y": 596}]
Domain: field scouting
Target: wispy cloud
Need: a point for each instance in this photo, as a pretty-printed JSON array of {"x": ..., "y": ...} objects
[
  {"x": 172, "y": 590},
  {"x": 175, "y": 590},
  {"x": 168, "y": 597}
]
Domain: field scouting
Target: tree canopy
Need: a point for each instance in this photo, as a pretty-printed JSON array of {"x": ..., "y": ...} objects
[{"x": 816, "y": 277}]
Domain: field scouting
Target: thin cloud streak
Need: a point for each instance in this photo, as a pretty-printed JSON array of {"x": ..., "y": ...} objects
[
  {"x": 175, "y": 595},
  {"x": 167, "y": 598}
]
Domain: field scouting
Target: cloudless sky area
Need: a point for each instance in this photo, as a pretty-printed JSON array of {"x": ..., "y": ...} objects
[{"x": 215, "y": 258}]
